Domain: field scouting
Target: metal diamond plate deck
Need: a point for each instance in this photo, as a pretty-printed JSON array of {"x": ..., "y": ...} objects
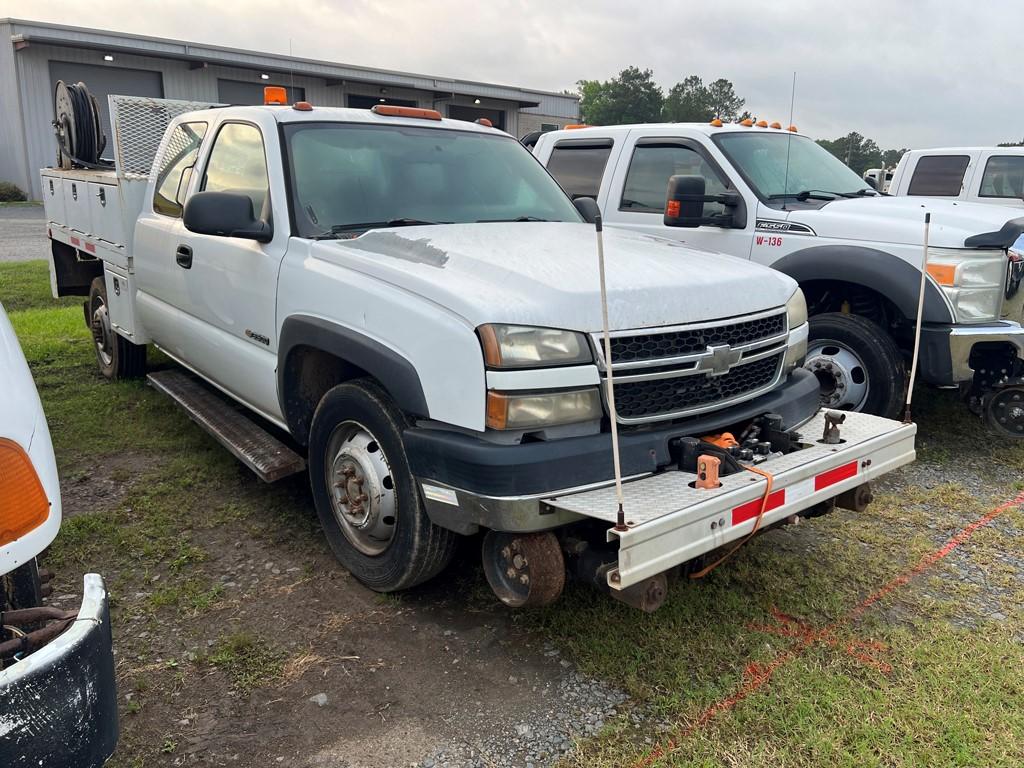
[{"x": 654, "y": 497}]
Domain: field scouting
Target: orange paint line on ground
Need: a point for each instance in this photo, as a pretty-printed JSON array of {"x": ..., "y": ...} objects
[{"x": 756, "y": 674}]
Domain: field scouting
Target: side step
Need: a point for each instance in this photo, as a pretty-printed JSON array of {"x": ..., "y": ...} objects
[{"x": 251, "y": 444}]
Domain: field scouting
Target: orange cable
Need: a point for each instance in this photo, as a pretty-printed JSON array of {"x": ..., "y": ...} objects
[{"x": 757, "y": 524}]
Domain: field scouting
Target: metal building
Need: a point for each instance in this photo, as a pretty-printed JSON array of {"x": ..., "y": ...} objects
[{"x": 36, "y": 55}]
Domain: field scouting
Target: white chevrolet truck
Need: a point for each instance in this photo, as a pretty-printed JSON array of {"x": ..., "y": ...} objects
[
  {"x": 411, "y": 305},
  {"x": 775, "y": 197}
]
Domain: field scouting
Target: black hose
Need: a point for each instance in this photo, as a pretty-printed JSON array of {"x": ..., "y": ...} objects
[{"x": 85, "y": 127}]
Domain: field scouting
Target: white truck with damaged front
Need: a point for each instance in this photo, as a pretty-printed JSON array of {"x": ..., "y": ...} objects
[{"x": 415, "y": 303}]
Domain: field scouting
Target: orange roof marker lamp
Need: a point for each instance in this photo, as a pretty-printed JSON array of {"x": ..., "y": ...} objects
[
  {"x": 275, "y": 95},
  {"x": 388, "y": 110}
]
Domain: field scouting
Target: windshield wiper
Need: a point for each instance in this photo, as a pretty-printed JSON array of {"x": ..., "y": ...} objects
[
  {"x": 810, "y": 194},
  {"x": 518, "y": 218},
  {"x": 339, "y": 229}
]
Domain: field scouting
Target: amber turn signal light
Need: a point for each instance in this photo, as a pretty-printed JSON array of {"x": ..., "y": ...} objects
[
  {"x": 943, "y": 274},
  {"x": 23, "y": 502}
]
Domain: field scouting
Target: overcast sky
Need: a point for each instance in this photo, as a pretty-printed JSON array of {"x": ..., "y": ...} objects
[{"x": 907, "y": 73}]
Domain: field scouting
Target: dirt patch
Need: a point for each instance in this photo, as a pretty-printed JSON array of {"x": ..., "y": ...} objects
[{"x": 102, "y": 485}]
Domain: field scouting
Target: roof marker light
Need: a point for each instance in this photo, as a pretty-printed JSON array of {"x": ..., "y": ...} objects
[
  {"x": 792, "y": 128},
  {"x": 776, "y": 125},
  {"x": 762, "y": 123},
  {"x": 484, "y": 121},
  {"x": 716, "y": 123},
  {"x": 747, "y": 122},
  {"x": 275, "y": 94},
  {"x": 389, "y": 110},
  {"x": 302, "y": 106},
  {"x": 575, "y": 126}
]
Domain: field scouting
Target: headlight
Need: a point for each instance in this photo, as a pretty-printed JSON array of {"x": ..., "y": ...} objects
[
  {"x": 517, "y": 346},
  {"x": 543, "y": 409},
  {"x": 796, "y": 309},
  {"x": 972, "y": 280}
]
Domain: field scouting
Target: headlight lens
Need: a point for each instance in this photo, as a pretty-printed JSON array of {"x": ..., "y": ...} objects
[
  {"x": 796, "y": 309},
  {"x": 545, "y": 409},
  {"x": 517, "y": 346},
  {"x": 972, "y": 280}
]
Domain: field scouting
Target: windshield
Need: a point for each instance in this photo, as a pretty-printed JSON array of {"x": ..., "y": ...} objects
[
  {"x": 762, "y": 158},
  {"x": 350, "y": 177}
]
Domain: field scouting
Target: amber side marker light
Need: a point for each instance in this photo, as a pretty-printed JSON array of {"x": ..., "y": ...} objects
[
  {"x": 792, "y": 128},
  {"x": 943, "y": 274},
  {"x": 23, "y": 502},
  {"x": 716, "y": 123},
  {"x": 775, "y": 125},
  {"x": 302, "y": 106},
  {"x": 389, "y": 110},
  {"x": 747, "y": 123},
  {"x": 275, "y": 94},
  {"x": 762, "y": 123}
]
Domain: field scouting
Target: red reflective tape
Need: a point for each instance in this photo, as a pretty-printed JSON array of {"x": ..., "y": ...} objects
[
  {"x": 90, "y": 248},
  {"x": 833, "y": 476},
  {"x": 75, "y": 241},
  {"x": 750, "y": 510}
]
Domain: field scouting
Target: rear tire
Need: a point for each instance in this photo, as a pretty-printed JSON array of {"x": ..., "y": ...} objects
[
  {"x": 365, "y": 495},
  {"x": 858, "y": 365},
  {"x": 116, "y": 357}
]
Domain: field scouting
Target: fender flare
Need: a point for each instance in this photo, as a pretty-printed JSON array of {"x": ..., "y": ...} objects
[
  {"x": 392, "y": 371},
  {"x": 882, "y": 272}
]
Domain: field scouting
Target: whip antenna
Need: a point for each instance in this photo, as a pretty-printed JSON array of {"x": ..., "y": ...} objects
[
  {"x": 920, "y": 312},
  {"x": 789, "y": 142},
  {"x": 620, "y": 520}
]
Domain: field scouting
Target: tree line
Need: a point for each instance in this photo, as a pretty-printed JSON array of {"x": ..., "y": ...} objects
[{"x": 634, "y": 97}]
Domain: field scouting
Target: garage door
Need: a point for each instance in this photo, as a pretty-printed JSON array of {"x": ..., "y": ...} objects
[{"x": 106, "y": 81}]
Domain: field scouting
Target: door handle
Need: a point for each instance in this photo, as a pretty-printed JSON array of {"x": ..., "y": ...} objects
[{"x": 183, "y": 256}]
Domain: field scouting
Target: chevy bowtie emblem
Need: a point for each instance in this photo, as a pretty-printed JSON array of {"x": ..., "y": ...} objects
[{"x": 719, "y": 359}]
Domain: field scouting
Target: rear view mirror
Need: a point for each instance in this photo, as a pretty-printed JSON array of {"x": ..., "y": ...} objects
[
  {"x": 685, "y": 204},
  {"x": 587, "y": 206},
  {"x": 227, "y": 214}
]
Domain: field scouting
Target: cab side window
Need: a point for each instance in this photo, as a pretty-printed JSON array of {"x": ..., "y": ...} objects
[
  {"x": 650, "y": 168},
  {"x": 175, "y": 169},
  {"x": 1003, "y": 177},
  {"x": 578, "y": 166},
  {"x": 238, "y": 164},
  {"x": 939, "y": 175}
]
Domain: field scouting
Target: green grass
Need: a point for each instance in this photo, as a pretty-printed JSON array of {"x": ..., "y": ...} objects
[
  {"x": 247, "y": 660},
  {"x": 26, "y": 284}
]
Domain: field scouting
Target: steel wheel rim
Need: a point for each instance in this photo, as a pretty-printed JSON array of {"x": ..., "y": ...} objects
[
  {"x": 361, "y": 488},
  {"x": 102, "y": 331},
  {"x": 842, "y": 375},
  {"x": 1006, "y": 411}
]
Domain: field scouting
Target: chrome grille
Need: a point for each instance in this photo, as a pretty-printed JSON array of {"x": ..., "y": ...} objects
[{"x": 668, "y": 373}]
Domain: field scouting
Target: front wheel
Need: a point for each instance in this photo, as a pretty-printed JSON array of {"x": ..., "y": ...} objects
[
  {"x": 857, "y": 364},
  {"x": 117, "y": 357},
  {"x": 365, "y": 494}
]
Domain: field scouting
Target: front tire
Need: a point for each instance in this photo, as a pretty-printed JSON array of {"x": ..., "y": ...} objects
[
  {"x": 116, "y": 357},
  {"x": 857, "y": 364},
  {"x": 365, "y": 495}
]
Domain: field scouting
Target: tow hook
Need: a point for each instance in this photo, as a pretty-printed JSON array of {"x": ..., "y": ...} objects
[{"x": 832, "y": 421}]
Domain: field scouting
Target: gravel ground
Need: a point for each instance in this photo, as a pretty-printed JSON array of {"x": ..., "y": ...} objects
[
  {"x": 22, "y": 233},
  {"x": 574, "y": 707}
]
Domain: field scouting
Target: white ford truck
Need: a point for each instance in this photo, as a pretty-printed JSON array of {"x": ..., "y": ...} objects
[
  {"x": 411, "y": 304},
  {"x": 775, "y": 197}
]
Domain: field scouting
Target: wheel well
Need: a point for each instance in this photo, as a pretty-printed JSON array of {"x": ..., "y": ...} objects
[
  {"x": 309, "y": 374},
  {"x": 853, "y": 298}
]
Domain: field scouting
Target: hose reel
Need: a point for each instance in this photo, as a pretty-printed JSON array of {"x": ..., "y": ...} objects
[{"x": 80, "y": 137}]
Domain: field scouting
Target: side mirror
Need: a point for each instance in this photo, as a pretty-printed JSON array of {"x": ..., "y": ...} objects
[
  {"x": 685, "y": 204},
  {"x": 587, "y": 206},
  {"x": 871, "y": 182},
  {"x": 227, "y": 214}
]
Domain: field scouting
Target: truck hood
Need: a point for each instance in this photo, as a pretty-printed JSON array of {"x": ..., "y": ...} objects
[
  {"x": 901, "y": 220},
  {"x": 546, "y": 274}
]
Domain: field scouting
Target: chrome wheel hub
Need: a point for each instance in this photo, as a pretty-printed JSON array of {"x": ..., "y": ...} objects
[
  {"x": 361, "y": 487},
  {"x": 842, "y": 376}
]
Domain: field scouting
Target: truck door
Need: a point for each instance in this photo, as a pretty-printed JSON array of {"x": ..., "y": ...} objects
[
  {"x": 226, "y": 324},
  {"x": 639, "y": 186}
]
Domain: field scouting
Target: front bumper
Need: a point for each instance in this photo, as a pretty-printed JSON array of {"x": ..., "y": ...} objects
[
  {"x": 946, "y": 349},
  {"x": 468, "y": 482},
  {"x": 58, "y": 706}
]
